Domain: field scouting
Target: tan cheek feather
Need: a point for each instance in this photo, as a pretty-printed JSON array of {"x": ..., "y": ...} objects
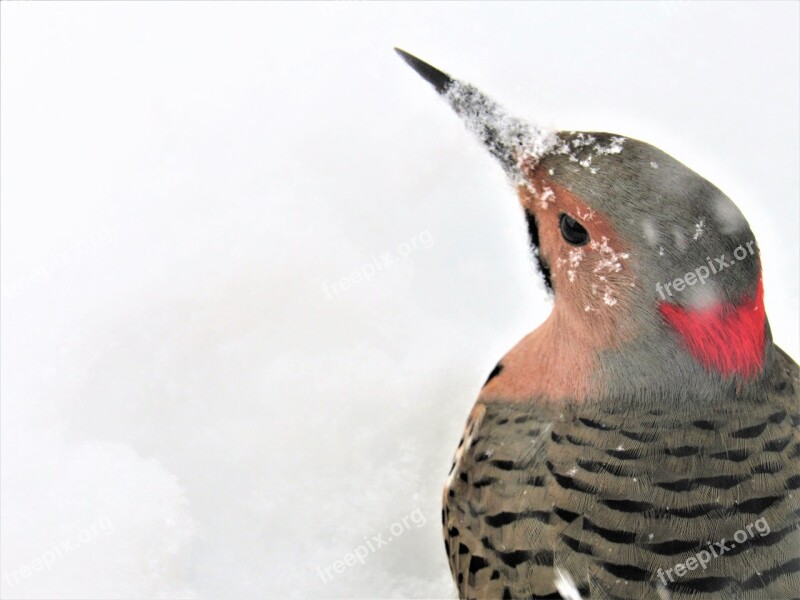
[{"x": 557, "y": 361}]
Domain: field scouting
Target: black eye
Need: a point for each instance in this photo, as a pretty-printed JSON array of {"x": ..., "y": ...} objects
[{"x": 572, "y": 231}]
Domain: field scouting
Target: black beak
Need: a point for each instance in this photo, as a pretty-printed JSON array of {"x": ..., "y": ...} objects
[{"x": 438, "y": 79}]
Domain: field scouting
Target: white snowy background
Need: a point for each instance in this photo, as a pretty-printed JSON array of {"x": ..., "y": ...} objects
[{"x": 189, "y": 408}]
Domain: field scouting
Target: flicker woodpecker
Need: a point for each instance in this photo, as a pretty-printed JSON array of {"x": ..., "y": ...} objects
[{"x": 644, "y": 441}]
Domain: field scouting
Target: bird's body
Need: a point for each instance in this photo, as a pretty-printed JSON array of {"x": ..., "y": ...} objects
[{"x": 644, "y": 441}]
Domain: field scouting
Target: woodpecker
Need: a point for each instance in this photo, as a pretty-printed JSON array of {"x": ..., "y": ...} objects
[{"x": 644, "y": 441}]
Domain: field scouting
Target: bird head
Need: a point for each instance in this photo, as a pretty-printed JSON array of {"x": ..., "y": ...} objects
[{"x": 651, "y": 267}]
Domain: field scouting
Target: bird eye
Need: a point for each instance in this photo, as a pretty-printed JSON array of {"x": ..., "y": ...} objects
[{"x": 572, "y": 231}]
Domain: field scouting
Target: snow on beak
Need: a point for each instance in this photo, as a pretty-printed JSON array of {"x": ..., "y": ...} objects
[{"x": 517, "y": 144}]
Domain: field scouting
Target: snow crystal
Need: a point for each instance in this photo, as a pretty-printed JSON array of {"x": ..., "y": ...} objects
[
  {"x": 610, "y": 261},
  {"x": 614, "y": 147},
  {"x": 547, "y": 195},
  {"x": 586, "y": 141},
  {"x": 699, "y": 229},
  {"x": 574, "y": 260},
  {"x": 583, "y": 139},
  {"x": 575, "y": 257},
  {"x": 654, "y": 165}
]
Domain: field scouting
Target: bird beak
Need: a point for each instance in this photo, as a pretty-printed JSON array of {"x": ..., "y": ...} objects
[{"x": 515, "y": 143}]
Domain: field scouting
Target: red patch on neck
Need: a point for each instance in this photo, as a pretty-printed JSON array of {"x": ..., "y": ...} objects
[{"x": 724, "y": 338}]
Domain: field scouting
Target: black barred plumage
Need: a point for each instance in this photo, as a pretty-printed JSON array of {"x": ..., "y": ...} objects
[{"x": 612, "y": 500}]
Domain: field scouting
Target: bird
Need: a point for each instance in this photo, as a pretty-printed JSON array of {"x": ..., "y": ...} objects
[{"x": 644, "y": 441}]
